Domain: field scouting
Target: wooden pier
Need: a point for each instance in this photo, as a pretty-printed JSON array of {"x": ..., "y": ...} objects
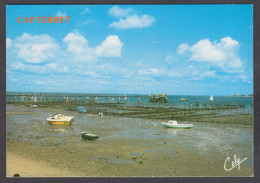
[
  {"x": 68, "y": 98},
  {"x": 71, "y": 95}
]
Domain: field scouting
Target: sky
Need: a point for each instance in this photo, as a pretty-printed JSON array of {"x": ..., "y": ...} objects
[{"x": 131, "y": 49}]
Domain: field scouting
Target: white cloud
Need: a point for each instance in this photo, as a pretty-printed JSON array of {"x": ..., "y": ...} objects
[
  {"x": 17, "y": 66},
  {"x": 86, "y": 10},
  {"x": 119, "y": 12},
  {"x": 185, "y": 72},
  {"x": 210, "y": 73},
  {"x": 56, "y": 68},
  {"x": 76, "y": 42},
  {"x": 42, "y": 55},
  {"x": 88, "y": 21},
  {"x": 129, "y": 19},
  {"x": 182, "y": 48},
  {"x": 111, "y": 47},
  {"x": 13, "y": 80},
  {"x": 204, "y": 50},
  {"x": 170, "y": 59},
  {"x": 108, "y": 70},
  {"x": 8, "y": 43},
  {"x": 139, "y": 64},
  {"x": 133, "y": 21},
  {"x": 152, "y": 72},
  {"x": 35, "y": 49},
  {"x": 235, "y": 63},
  {"x": 78, "y": 49},
  {"x": 162, "y": 72},
  {"x": 51, "y": 68},
  {"x": 222, "y": 54},
  {"x": 245, "y": 78},
  {"x": 60, "y": 14},
  {"x": 104, "y": 82},
  {"x": 41, "y": 82},
  {"x": 227, "y": 42}
]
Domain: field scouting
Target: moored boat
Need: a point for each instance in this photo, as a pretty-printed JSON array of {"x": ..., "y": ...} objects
[
  {"x": 59, "y": 119},
  {"x": 125, "y": 98},
  {"x": 174, "y": 124},
  {"x": 90, "y": 115},
  {"x": 89, "y": 136},
  {"x": 100, "y": 114},
  {"x": 81, "y": 109},
  {"x": 184, "y": 99}
]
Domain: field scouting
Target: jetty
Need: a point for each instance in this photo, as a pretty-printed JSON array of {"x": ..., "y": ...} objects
[
  {"x": 67, "y": 97},
  {"x": 158, "y": 98}
]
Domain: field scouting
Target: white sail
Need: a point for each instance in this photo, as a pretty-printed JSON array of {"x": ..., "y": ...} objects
[
  {"x": 125, "y": 98},
  {"x": 211, "y": 98}
]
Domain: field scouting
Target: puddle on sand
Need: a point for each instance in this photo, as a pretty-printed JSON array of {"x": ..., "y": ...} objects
[
  {"x": 120, "y": 161},
  {"x": 97, "y": 157},
  {"x": 148, "y": 150},
  {"x": 135, "y": 154}
]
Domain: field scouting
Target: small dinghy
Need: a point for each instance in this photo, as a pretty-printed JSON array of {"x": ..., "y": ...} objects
[
  {"x": 90, "y": 115},
  {"x": 184, "y": 99},
  {"x": 89, "y": 136},
  {"x": 174, "y": 124},
  {"x": 81, "y": 109},
  {"x": 59, "y": 119}
]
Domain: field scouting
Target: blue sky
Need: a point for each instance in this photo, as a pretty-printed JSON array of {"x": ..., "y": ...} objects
[{"x": 172, "y": 49}]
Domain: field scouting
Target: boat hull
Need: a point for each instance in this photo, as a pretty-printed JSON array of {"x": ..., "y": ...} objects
[
  {"x": 89, "y": 137},
  {"x": 81, "y": 109},
  {"x": 184, "y": 99},
  {"x": 64, "y": 123},
  {"x": 60, "y": 122},
  {"x": 179, "y": 126}
]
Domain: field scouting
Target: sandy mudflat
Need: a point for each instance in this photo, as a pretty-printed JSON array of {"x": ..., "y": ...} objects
[
  {"x": 20, "y": 113},
  {"x": 127, "y": 147},
  {"x": 27, "y": 167}
]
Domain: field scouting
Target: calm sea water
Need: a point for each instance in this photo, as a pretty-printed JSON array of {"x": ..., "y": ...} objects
[{"x": 132, "y": 99}]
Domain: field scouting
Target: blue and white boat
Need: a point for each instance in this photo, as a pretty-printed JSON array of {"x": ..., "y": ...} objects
[{"x": 81, "y": 109}]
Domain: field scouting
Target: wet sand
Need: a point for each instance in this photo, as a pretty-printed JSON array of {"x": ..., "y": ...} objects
[
  {"x": 127, "y": 147},
  {"x": 31, "y": 168}
]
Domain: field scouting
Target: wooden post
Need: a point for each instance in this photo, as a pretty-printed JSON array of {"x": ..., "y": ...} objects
[{"x": 96, "y": 100}]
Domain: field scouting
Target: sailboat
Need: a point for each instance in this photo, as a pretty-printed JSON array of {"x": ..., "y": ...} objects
[
  {"x": 211, "y": 98},
  {"x": 125, "y": 98}
]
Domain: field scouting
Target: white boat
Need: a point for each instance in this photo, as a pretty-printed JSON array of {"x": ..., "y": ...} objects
[
  {"x": 174, "y": 124},
  {"x": 111, "y": 99},
  {"x": 33, "y": 106},
  {"x": 211, "y": 98},
  {"x": 59, "y": 119},
  {"x": 100, "y": 114},
  {"x": 125, "y": 98}
]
